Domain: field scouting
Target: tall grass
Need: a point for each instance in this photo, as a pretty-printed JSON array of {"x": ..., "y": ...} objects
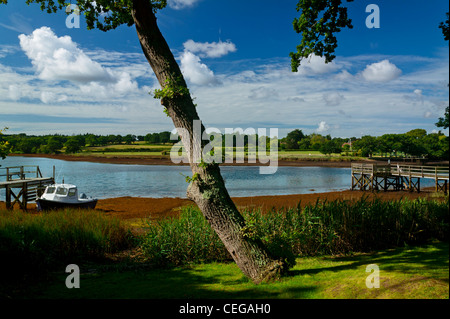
[
  {"x": 341, "y": 227},
  {"x": 36, "y": 243},
  {"x": 187, "y": 239},
  {"x": 337, "y": 227}
]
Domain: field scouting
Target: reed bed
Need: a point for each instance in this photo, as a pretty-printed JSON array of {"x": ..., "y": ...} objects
[
  {"x": 183, "y": 240},
  {"x": 332, "y": 228},
  {"x": 33, "y": 244},
  {"x": 342, "y": 227}
]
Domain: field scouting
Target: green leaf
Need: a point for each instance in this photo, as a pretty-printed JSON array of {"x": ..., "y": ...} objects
[{"x": 318, "y": 23}]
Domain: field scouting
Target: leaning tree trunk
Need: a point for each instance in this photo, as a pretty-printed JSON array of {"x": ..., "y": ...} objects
[{"x": 207, "y": 188}]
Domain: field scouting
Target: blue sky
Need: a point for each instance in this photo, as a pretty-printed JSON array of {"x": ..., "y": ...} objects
[{"x": 235, "y": 57}]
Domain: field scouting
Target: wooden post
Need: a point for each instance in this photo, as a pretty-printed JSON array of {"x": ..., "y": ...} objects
[
  {"x": 24, "y": 196},
  {"x": 436, "y": 179},
  {"x": 353, "y": 179},
  {"x": 8, "y": 197},
  {"x": 410, "y": 180}
]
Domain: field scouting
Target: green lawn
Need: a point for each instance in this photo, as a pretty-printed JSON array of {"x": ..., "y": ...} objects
[{"x": 404, "y": 273}]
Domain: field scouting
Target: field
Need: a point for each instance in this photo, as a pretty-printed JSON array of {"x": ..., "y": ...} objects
[
  {"x": 163, "y": 151},
  {"x": 137, "y": 148}
]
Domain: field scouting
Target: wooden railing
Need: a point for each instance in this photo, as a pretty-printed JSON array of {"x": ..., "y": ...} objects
[
  {"x": 368, "y": 169},
  {"x": 432, "y": 172},
  {"x": 21, "y": 172}
]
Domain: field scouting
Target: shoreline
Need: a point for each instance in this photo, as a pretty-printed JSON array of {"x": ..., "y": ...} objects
[
  {"x": 155, "y": 160},
  {"x": 156, "y": 208},
  {"x": 136, "y": 209}
]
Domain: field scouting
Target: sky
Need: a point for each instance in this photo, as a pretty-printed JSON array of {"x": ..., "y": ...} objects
[{"x": 235, "y": 58}]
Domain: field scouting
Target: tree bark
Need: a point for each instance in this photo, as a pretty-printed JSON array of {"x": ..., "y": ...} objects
[{"x": 207, "y": 189}]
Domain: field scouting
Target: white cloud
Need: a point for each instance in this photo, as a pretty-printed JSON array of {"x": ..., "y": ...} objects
[
  {"x": 6, "y": 50},
  {"x": 14, "y": 92},
  {"x": 122, "y": 87},
  {"x": 333, "y": 99},
  {"x": 48, "y": 97},
  {"x": 210, "y": 50},
  {"x": 419, "y": 96},
  {"x": 316, "y": 65},
  {"x": 13, "y": 85},
  {"x": 18, "y": 23},
  {"x": 59, "y": 58},
  {"x": 181, "y": 4},
  {"x": 415, "y": 97},
  {"x": 323, "y": 127},
  {"x": 263, "y": 93},
  {"x": 383, "y": 71},
  {"x": 344, "y": 75},
  {"x": 195, "y": 71},
  {"x": 418, "y": 92}
]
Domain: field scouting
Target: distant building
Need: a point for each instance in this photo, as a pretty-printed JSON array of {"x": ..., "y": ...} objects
[{"x": 349, "y": 143}]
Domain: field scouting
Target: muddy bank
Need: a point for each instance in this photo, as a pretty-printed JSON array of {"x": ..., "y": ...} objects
[
  {"x": 155, "y": 208},
  {"x": 129, "y": 208}
]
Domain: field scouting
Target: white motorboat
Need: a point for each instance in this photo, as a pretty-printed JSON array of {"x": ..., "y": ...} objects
[{"x": 64, "y": 196}]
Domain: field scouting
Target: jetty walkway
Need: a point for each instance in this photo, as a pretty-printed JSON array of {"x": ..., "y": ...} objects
[
  {"x": 397, "y": 177},
  {"x": 23, "y": 184}
]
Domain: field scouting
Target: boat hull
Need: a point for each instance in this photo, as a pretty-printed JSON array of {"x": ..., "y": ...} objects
[{"x": 44, "y": 204}]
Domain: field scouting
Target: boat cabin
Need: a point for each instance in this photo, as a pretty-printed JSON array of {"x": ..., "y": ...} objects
[{"x": 61, "y": 192}]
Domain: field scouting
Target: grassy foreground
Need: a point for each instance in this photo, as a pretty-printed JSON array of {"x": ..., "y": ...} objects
[
  {"x": 328, "y": 244},
  {"x": 406, "y": 273}
]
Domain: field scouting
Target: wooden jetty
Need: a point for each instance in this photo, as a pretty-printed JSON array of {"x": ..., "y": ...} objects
[
  {"x": 23, "y": 184},
  {"x": 397, "y": 176}
]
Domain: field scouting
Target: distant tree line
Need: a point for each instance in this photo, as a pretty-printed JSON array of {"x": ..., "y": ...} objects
[
  {"x": 4, "y": 145},
  {"x": 415, "y": 143},
  {"x": 52, "y": 144}
]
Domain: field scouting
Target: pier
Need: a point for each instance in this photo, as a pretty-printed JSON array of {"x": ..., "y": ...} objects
[
  {"x": 397, "y": 177},
  {"x": 23, "y": 184}
]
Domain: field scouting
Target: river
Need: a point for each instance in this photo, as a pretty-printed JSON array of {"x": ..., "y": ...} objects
[{"x": 116, "y": 180}]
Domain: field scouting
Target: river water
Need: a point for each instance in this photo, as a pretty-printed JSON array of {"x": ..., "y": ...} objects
[{"x": 116, "y": 180}]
